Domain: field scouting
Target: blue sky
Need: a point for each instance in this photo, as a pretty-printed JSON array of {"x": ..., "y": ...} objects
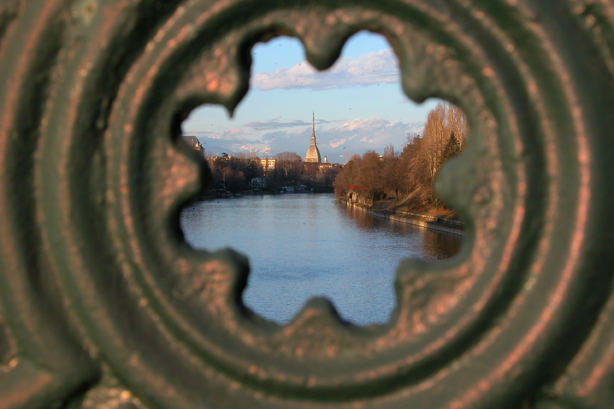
[{"x": 358, "y": 104}]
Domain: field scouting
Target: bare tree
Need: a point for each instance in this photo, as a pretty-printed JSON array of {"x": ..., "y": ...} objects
[{"x": 415, "y": 168}]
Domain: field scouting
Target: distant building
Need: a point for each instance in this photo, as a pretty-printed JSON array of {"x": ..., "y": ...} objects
[
  {"x": 257, "y": 183},
  {"x": 267, "y": 164},
  {"x": 313, "y": 154}
]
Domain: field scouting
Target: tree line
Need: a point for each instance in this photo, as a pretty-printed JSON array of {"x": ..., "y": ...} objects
[
  {"x": 407, "y": 175},
  {"x": 236, "y": 173}
]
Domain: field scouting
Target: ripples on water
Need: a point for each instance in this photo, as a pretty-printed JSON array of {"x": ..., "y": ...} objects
[{"x": 306, "y": 245}]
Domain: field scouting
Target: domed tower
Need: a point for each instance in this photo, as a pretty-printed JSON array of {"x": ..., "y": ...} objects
[{"x": 313, "y": 154}]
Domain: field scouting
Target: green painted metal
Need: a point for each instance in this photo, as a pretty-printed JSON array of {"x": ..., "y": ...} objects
[{"x": 103, "y": 305}]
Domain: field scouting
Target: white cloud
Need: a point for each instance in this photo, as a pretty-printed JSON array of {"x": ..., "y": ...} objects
[
  {"x": 275, "y": 124},
  {"x": 337, "y": 143},
  {"x": 233, "y": 131},
  {"x": 361, "y": 134},
  {"x": 378, "y": 67},
  {"x": 368, "y": 123},
  {"x": 230, "y": 134},
  {"x": 252, "y": 148},
  {"x": 368, "y": 141}
]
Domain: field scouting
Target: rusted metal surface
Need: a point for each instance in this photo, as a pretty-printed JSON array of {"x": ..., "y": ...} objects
[{"x": 103, "y": 305}]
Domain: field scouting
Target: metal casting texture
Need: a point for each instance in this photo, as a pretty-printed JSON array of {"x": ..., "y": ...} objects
[{"x": 104, "y": 305}]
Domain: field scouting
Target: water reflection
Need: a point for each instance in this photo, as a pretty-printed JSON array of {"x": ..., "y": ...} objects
[
  {"x": 301, "y": 246},
  {"x": 435, "y": 245}
]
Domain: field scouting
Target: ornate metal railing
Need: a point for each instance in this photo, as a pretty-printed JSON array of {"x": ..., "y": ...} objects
[{"x": 103, "y": 305}]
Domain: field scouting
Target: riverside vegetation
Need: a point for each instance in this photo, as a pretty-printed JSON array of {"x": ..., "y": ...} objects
[{"x": 403, "y": 181}]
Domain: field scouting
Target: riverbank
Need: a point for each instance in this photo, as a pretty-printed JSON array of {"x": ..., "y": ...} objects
[
  {"x": 227, "y": 194},
  {"x": 430, "y": 222}
]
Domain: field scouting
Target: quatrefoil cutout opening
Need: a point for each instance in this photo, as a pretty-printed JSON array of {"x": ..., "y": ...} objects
[{"x": 303, "y": 251}]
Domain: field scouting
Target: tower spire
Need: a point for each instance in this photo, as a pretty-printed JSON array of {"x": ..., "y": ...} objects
[
  {"x": 313, "y": 123},
  {"x": 313, "y": 128},
  {"x": 313, "y": 154}
]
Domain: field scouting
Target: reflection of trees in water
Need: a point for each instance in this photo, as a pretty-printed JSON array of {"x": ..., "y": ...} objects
[
  {"x": 362, "y": 218},
  {"x": 437, "y": 246}
]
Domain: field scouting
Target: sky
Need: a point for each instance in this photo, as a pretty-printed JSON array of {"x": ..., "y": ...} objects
[{"x": 358, "y": 104}]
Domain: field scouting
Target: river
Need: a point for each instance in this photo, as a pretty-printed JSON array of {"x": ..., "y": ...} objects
[{"x": 306, "y": 245}]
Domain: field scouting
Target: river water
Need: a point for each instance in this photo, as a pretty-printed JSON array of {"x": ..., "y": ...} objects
[{"x": 306, "y": 245}]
